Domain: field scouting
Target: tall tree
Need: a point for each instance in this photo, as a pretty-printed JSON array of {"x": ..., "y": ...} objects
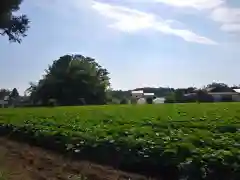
[
  {"x": 219, "y": 85},
  {"x": 72, "y": 79},
  {"x": 14, "y": 94},
  {"x": 14, "y": 26}
]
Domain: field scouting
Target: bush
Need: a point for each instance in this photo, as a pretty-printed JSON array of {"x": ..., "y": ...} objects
[
  {"x": 124, "y": 101},
  {"x": 114, "y": 101},
  {"x": 52, "y": 102},
  {"x": 82, "y": 101},
  {"x": 187, "y": 141},
  {"x": 149, "y": 100}
]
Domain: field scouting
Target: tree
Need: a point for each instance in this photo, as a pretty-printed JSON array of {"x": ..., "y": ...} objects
[
  {"x": 170, "y": 98},
  {"x": 124, "y": 101},
  {"x": 149, "y": 100},
  {"x": 70, "y": 79},
  {"x": 217, "y": 85},
  {"x": 179, "y": 95},
  {"x": 13, "y": 97},
  {"x": 12, "y": 25},
  {"x": 32, "y": 90},
  {"x": 235, "y": 86},
  {"x": 14, "y": 94}
]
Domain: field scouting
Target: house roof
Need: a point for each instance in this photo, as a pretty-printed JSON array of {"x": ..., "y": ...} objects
[
  {"x": 237, "y": 90},
  {"x": 137, "y": 92},
  {"x": 223, "y": 93},
  {"x": 219, "y": 89}
]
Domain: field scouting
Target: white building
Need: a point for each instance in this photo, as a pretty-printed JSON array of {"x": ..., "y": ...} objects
[
  {"x": 140, "y": 97},
  {"x": 219, "y": 94},
  {"x": 137, "y": 94},
  {"x": 4, "y": 101}
]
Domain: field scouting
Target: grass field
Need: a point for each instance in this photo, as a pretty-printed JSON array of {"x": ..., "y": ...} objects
[{"x": 194, "y": 141}]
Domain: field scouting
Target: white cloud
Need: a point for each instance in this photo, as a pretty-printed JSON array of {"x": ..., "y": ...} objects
[
  {"x": 226, "y": 15},
  {"x": 220, "y": 12},
  {"x": 196, "y": 4},
  {"x": 132, "y": 20},
  {"x": 127, "y": 19},
  {"x": 229, "y": 18},
  {"x": 231, "y": 27}
]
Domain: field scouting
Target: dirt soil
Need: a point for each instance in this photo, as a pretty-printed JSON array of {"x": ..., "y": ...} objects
[{"x": 20, "y": 161}]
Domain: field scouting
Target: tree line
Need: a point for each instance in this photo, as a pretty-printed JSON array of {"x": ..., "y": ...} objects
[{"x": 78, "y": 80}]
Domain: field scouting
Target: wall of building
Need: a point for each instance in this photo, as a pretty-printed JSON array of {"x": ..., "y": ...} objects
[
  {"x": 236, "y": 98},
  {"x": 221, "y": 97},
  {"x": 137, "y": 95},
  {"x": 217, "y": 97},
  {"x": 3, "y": 103}
]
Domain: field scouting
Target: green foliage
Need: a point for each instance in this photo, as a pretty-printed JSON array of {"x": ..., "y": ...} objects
[
  {"x": 124, "y": 101},
  {"x": 200, "y": 141},
  {"x": 70, "y": 80},
  {"x": 217, "y": 85},
  {"x": 3, "y": 175},
  {"x": 114, "y": 101},
  {"x": 14, "y": 94},
  {"x": 149, "y": 100},
  {"x": 170, "y": 98},
  {"x": 13, "y": 26},
  {"x": 52, "y": 102},
  {"x": 178, "y": 95}
]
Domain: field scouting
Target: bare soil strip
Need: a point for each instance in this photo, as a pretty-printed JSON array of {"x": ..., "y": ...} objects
[{"x": 19, "y": 161}]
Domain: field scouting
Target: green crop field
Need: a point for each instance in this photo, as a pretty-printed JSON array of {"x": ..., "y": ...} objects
[{"x": 189, "y": 141}]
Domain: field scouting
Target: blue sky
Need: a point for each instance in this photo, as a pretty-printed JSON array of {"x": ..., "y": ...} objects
[{"x": 141, "y": 42}]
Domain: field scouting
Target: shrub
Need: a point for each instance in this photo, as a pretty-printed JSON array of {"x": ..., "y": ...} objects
[
  {"x": 124, "y": 101},
  {"x": 149, "y": 100},
  {"x": 52, "y": 102}
]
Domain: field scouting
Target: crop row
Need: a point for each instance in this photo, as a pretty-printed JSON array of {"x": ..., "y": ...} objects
[{"x": 192, "y": 141}]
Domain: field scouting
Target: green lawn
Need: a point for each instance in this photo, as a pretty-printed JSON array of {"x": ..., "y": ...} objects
[{"x": 200, "y": 140}]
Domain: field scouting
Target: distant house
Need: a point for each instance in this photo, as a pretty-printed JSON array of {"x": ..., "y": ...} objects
[
  {"x": 4, "y": 101},
  {"x": 218, "y": 94},
  {"x": 15, "y": 102},
  {"x": 224, "y": 94},
  {"x": 237, "y": 90},
  {"x": 137, "y": 94},
  {"x": 140, "y": 97}
]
